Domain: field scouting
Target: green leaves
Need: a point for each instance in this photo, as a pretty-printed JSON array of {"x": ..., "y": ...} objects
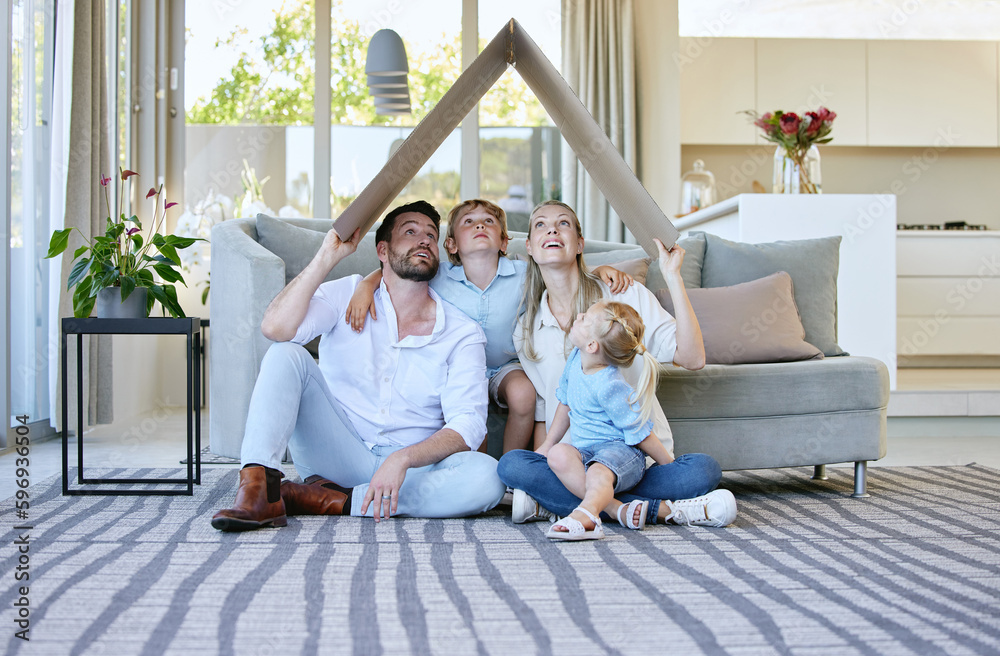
[
  {"x": 128, "y": 286},
  {"x": 83, "y": 300},
  {"x": 168, "y": 273},
  {"x": 59, "y": 242},
  {"x": 77, "y": 273},
  {"x": 167, "y": 296}
]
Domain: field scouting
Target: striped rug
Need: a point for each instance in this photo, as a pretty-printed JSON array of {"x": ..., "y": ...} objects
[{"x": 806, "y": 569}]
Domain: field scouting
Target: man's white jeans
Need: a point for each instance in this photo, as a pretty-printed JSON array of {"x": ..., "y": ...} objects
[{"x": 292, "y": 407}]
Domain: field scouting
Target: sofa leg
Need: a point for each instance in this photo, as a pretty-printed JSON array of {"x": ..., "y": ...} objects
[
  {"x": 860, "y": 479},
  {"x": 819, "y": 473}
]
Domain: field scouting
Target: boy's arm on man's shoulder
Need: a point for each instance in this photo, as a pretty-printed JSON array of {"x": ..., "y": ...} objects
[{"x": 362, "y": 302}]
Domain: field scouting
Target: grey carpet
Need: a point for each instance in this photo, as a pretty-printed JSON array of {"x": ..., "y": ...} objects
[{"x": 805, "y": 570}]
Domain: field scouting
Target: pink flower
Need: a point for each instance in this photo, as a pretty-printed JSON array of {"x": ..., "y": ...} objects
[
  {"x": 126, "y": 174},
  {"x": 169, "y": 205},
  {"x": 105, "y": 180},
  {"x": 826, "y": 115},
  {"x": 151, "y": 192},
  {"x": 814, "y": 123},
  {"x": 764, "y": 122},
  {"x": 790, "y": 123}
]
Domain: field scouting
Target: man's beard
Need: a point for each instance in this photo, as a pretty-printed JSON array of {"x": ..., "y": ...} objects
[{"x": 416, "y": 269}]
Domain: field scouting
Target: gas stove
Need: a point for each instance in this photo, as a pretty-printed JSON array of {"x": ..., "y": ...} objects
[{"x": 948, "y": 225}]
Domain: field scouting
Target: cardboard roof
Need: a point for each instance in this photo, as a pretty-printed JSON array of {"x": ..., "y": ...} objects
[{"x": 513, "y": 46}]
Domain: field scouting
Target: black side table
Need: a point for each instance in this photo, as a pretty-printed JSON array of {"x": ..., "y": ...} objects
[{"x": 191, "y": 328}]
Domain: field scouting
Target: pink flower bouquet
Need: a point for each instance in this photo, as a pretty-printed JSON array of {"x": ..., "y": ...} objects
[{"x": 796, "y": 134}]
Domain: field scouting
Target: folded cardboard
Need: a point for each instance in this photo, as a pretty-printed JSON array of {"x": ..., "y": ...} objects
[{"x": 513, "y": 46}]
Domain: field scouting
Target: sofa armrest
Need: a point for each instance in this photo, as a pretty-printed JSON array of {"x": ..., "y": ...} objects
[{"x": 245, "y": 278}]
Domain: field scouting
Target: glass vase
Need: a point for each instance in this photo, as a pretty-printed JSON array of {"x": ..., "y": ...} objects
[{"x": 792, "y": 177}]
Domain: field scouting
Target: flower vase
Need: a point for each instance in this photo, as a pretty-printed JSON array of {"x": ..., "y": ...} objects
[
  {"x": 110, "y": 305},
  {"x": 794, "y": 177}
]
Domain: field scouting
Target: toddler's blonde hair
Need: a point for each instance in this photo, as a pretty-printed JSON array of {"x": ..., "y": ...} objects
[{"x": 619, "y": 333}]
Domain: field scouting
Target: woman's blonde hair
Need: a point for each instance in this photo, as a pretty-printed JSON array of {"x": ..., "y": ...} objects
[
  {"x": 588, "y": 293},
  {"x": 619, "y": 332},
  {"x": 464, "y": 208}
]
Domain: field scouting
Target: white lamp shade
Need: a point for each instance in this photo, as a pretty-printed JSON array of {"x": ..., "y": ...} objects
[{"x": 386, "y": 54}]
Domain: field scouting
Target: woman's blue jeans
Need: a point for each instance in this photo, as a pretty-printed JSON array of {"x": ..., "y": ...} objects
[{"x": 688, "y": 476}]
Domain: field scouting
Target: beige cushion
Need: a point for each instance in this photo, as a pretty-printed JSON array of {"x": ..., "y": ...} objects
[
  {"x": 754, "y": 321},
  {"x": 637, "y": 268}
]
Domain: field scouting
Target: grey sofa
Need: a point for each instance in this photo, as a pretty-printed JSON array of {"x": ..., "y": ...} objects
[{"x": 748, "y": 416}]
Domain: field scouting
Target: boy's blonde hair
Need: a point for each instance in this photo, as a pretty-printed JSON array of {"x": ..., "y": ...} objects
[
  {"x": 464, "y": 208},
  {"x": 619, "y": 333},
  {"x": 589, "y": 291}
]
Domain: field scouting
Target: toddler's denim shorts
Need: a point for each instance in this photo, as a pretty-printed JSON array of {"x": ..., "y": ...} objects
[{"x": 627, "y": 462}]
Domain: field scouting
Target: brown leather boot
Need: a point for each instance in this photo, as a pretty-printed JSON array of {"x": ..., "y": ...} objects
[
  {"x": 251, "y": 509},
  {"x": 312, "y": 498}
]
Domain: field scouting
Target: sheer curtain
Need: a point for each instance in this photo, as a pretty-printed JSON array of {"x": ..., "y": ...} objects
[
  {"x": 598, "y": 42},
  {"x": 80, "y": 154}
]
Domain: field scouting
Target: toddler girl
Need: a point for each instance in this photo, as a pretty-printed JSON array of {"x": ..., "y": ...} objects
[{"x": 609, "y": 422}]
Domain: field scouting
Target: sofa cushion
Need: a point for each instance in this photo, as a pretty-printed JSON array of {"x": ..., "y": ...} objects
[
  {"x": 637, "y": 267},
  {"x": 812, "y": 263},
  {"x": 754, "y": 321},
  {"x": 750, "y": 391},
  {"x": 297, "y": 244}
]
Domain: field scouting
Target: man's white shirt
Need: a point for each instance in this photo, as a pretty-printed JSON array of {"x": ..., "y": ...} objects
[{"x": 400, "y": 392}]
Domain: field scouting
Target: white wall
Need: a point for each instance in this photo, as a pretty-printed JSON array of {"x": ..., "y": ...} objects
[{"x": 659, "y": 101}]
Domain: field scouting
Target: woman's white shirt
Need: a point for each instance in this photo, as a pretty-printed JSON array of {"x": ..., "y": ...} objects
[{"x": 552, "y": 346}]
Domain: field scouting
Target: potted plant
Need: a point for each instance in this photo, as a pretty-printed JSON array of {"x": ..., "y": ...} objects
[{"x": 115, "y": 270}]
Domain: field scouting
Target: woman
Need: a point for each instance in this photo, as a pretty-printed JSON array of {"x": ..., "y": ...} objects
[{"x": 557, "y": 289}]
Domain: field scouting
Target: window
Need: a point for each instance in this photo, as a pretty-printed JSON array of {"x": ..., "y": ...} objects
[
  {"x": 31, "y": 60},
  {"x": 250, "y": 85}
]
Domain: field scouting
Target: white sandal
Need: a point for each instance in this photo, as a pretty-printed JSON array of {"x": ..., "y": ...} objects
[
  {"x": 575, "y": 529},
  {"x": 627, "y": 519}
]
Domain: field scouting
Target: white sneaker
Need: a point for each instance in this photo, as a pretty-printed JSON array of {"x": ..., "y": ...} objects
[
  {"x": 508, "y": 498},
  {"x": 525, "y": 509},
  {"x": 717, "y": 508}
]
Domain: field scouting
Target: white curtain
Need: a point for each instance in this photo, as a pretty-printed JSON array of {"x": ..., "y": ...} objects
[
  {"x": 598, "y": 51},
  {"x": 80, "y": 155}
]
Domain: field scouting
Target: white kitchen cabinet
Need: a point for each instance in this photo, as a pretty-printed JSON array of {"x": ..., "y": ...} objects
[
  {"x": 948, "y": 293},
  {"x": 932, "y": 93},
  {"x": 799, "y": 75},
  {"x": 717, "y": 82}
]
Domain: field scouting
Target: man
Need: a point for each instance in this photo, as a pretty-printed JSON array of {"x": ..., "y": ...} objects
[{"x": 389, "y": 420}]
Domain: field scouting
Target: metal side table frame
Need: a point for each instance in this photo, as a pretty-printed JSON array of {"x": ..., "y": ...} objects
[{"x": 189, "y": 327}]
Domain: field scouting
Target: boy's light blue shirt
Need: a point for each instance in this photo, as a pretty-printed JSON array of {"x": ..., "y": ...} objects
[{"x": 494, "y": 309}]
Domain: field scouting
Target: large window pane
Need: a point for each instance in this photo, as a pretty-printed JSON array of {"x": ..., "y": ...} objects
[
  {"x": 519, "y": 154},
  {"x": 362, "y": 140},
  {"x": 31, "y": 70},
  {"x": 249, "y": 89}
]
